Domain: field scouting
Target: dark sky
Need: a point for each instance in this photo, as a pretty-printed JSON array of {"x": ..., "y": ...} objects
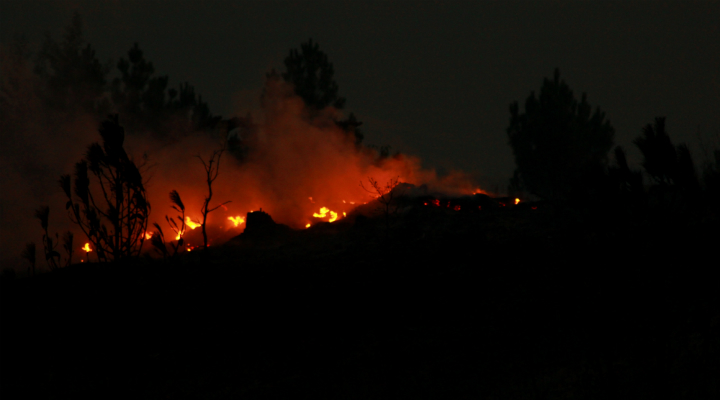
[{"x": 429, "y": 78}]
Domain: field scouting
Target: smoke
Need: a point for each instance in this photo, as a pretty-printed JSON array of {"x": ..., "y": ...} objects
[
  {"x": 38, "y": 144},
  {"x": 299, "y": 161}
]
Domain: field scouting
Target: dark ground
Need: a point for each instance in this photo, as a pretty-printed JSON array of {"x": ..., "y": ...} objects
[{"x": 517, "y": 304}]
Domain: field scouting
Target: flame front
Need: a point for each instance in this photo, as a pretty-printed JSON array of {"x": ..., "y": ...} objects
[
  {"x": 87, "y": 248},
  {"x": 191, "y": 223},
  {"x": 322, "y": 214},
  {"x": 237, "y": 220},
  {"x": 324, "y": 211}
]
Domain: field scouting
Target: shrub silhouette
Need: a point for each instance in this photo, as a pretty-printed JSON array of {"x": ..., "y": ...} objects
[
  {"x": 29, "y": 254},
  {"x": 158, "y": 238},
  {"x": 114, "y": 215},
  {"x": 52, "y": 257}
]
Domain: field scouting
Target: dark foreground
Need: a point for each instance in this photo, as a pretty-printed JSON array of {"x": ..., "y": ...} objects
[{"x": 447, "y": 306}]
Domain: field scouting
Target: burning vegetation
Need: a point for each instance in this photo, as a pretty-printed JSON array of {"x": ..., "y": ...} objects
[{"x": 300, "y": 157}]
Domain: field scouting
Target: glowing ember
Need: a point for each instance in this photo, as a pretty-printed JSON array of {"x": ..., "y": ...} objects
[
  {"x": 148, "y": 235},
  {"x": 307, "y": 226},
  {"x": 333, "y": 216},
  {"x": 436, "y": 202},
  {"x": 534, "y": 207},
  {"x": 237, "y": 220},
  {"x": 87, "y": 248},
  {"x": 517, "y": 200},
  {"x": 456, "y": 208}
]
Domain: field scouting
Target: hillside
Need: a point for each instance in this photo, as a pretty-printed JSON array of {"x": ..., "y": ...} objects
[{"x": 508, "y": 303}]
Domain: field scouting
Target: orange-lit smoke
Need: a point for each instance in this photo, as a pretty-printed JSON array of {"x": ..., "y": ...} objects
[{"x": 297, "y": 164}]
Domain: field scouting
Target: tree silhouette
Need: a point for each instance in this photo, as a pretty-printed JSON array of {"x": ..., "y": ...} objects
[
  {"x": 558, "y": 143},
  {"x": 136, "y": 93},
  {"x": 312, "y": 77},
  {"x": 148, "y": 103},
  {"x": 660, "y": 157},
  {"x": 386, "y": 195},
  {"x": 627, "y": 181},
  {"x": 212, "y": 169},
  {"x": 711, "y": 177},
  {"x": 113, "y": 216},
  {"x": 72, "y": 74},
  {"x": 668, "y": 165},
  {"x": 73, "y": 79}
]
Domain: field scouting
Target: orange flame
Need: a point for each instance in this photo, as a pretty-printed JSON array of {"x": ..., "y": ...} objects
[
  {"x": 308, "y": 225},
  {"x": 87, "y": 248},
  {"x": 322, "y": 214},
  {"x": 237, "y": 220},
  {"x": 517, "y": 200},
  {"x": 324, "y": 211},
  {"x": 191, "y": 223},
  {"x": 148, "y": 235}
]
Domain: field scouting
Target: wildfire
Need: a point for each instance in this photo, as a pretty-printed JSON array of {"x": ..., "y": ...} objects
[
  {"x": 87, "y": 248},
  {"x": 148, "y": 235},
  {"x": 191, "y": 223},
  {"x": 324, "y": 211},
  {"x": 237, "y": 220},
  {"x": 517, "y": 200},
  {"x": 308, "y": 225}
]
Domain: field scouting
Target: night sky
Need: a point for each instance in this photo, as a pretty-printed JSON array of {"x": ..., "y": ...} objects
[{"x": 428, "y": 78}]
